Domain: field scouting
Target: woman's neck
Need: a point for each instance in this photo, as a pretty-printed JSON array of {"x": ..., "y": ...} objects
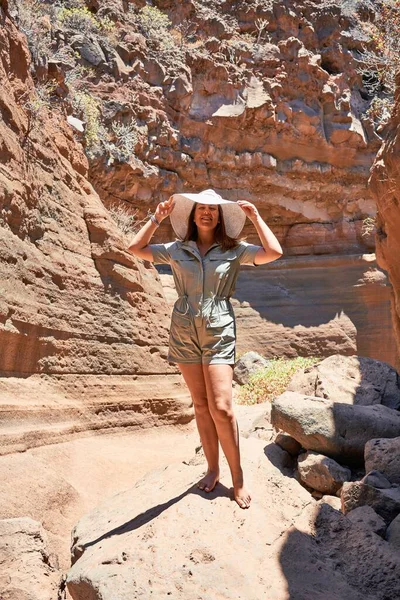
[{"x": 205, "y": 238}]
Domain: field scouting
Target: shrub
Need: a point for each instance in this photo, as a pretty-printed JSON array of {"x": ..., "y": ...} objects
[
  {"x": 127, "y": 222},
  {"x": 81, "y": 19},
  {"x": 152, "y": 22},
  {"x": 89, "y": 108},
  {"x": 272, "y": 381}
]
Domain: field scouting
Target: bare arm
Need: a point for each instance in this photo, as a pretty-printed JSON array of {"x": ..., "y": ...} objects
[
  {"x": 271, "y": 248},
  {"x": 139, "y": 245}
]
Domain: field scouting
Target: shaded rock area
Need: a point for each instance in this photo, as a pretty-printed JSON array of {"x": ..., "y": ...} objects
[
  {"x": 353, "y": 397},
  {"x": 336, "y": 406},
  {"x": 311, "y": 306},
  {"x": 384, "y": 456},
  {"x": 384, "y": 185},
  {"x": 28, "y": 570},
  {"x": 83, "y": 325},
  {"x": 119, "y": 549}
]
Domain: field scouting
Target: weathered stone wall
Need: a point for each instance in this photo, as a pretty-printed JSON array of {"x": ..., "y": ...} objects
[
  {"x": 82, "y": 323},
  {"x": 385, "y": 186}
]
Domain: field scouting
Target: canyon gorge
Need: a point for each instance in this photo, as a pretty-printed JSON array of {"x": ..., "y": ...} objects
[{"x": 103, "y": 114}]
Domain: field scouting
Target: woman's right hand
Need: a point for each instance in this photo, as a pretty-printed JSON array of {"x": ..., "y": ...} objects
[{"x": 164, "y": 209}]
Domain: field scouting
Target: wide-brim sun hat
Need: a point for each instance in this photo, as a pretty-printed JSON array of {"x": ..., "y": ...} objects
[{"x": 234, "y": 216}]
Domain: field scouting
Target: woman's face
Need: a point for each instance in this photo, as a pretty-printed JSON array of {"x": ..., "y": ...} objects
[{"x": 206, "y": 216}]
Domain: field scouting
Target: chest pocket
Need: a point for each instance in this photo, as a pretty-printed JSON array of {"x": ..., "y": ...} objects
[{"x": 223, "y": 264}]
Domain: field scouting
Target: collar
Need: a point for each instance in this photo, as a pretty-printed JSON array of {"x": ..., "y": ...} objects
[{"x": 191, "y": 246}]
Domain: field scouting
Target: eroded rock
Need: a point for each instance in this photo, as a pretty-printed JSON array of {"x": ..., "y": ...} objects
[
  {"x": 322, "y": 473},
  {"x": 384, "y": 455}
]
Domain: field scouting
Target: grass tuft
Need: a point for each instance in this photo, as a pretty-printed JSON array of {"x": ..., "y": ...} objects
[{"x": 271, "y": 381}]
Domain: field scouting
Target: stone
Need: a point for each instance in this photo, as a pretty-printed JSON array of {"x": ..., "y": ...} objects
[
  {"x": 89, "y": 49},
  {"x": 248, "y": 364},
  {"x": 145, "y": 520},
  {"x": 28, "y": 570},
  {"x": 321, "y": 473},
  {"x": 288, "y": 443},
  {"x": 385, "y": 502},
  {"x": 138, "y": 540},
  {"x": 367, "y": 517},
  {"x": 376, "y": 479},
  {"x": 393, "y": 533},
  {"x": 350, "y": 379},
  {"x": 331, "y": 428},
  {"x": 384, "y": 456}
]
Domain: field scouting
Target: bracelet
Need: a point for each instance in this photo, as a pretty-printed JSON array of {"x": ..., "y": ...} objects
[{"x": 155, "y": 221}]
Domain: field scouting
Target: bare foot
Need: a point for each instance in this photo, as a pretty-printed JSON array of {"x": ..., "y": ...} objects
[
  {"x": 209, "y": 481},
  {"x": 241, "y": 495}
]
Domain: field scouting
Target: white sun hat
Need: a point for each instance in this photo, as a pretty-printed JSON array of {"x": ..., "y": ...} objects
[{"x": 234, "y": 216}]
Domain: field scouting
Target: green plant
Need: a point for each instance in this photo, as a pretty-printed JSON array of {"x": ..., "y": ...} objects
[
  {"x": 126, "y": 137},
  {"x": 156, "y": 27},
  {"x": 81, "y": 19},
  {"x": 152, "y": 22},
  {"x": 272, "y": 381},
  {"x": 89, "y": 108}
]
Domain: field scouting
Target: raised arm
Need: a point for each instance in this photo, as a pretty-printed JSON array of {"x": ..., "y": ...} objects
[
  {"x": 139, "y": 246},
  {"x": 271, "y": 248}
]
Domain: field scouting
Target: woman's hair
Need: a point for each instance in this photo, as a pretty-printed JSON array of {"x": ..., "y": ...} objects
[{"x": 226, "y": 242}]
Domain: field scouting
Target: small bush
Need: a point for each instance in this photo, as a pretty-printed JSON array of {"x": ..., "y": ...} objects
[
  {"x": 270, "y": 382},
  {"x": 127, "y": 222},
  {"x": 81, "y": 19},
  {"x": 89, "y": 108},
  {"x": 152, "y": 22}
]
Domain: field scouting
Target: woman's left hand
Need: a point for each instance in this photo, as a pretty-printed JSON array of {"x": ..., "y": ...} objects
[{"x": 249, "y": 209}]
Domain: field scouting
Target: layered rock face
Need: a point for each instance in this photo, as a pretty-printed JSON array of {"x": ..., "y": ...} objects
[
  {"x": 83, "y": 332},
  {"x": 275, "y": 116},
  {"x": 384, "y": 184}
]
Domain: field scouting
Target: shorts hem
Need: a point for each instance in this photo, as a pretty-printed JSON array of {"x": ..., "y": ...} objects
[{"x": 201, "y": 361}]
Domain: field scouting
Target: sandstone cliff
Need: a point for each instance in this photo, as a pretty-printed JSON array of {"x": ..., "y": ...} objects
[
  {"x": 383, "y": 184},
  {"x": 83, "y": 333}
]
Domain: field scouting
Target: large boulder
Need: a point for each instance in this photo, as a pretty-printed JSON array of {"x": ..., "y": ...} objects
[
  {"x": 331, "y": 428},
  {"x": 164, "y": 538},
  {"x": 350, "y": 379},
  {"x": 384, "y": 456}
]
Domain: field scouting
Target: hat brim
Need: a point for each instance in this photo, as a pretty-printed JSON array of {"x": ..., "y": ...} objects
[{"x": 234, "y": 216}]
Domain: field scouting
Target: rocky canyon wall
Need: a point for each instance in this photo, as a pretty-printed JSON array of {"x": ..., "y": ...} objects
[
  {"x": 83, "y": 328},
  {"x": 385, "y": 186},
  {"x": 277, "y": 117}
]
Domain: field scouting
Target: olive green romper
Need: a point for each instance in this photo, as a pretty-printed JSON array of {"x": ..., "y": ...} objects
[{"x": 202, "y": 323}]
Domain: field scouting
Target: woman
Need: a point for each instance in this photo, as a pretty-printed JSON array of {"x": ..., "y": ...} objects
[{"x": 205, "y": 264}]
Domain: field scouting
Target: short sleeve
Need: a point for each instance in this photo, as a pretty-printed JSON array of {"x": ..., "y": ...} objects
[
  {"x": 247, "y": 253},
  {"x": 161, "y": 254}
]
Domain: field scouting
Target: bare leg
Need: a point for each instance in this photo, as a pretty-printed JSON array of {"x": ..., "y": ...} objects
[
  {"x": 218, "y": 379},
  {"x": 194, "y": 379}
]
